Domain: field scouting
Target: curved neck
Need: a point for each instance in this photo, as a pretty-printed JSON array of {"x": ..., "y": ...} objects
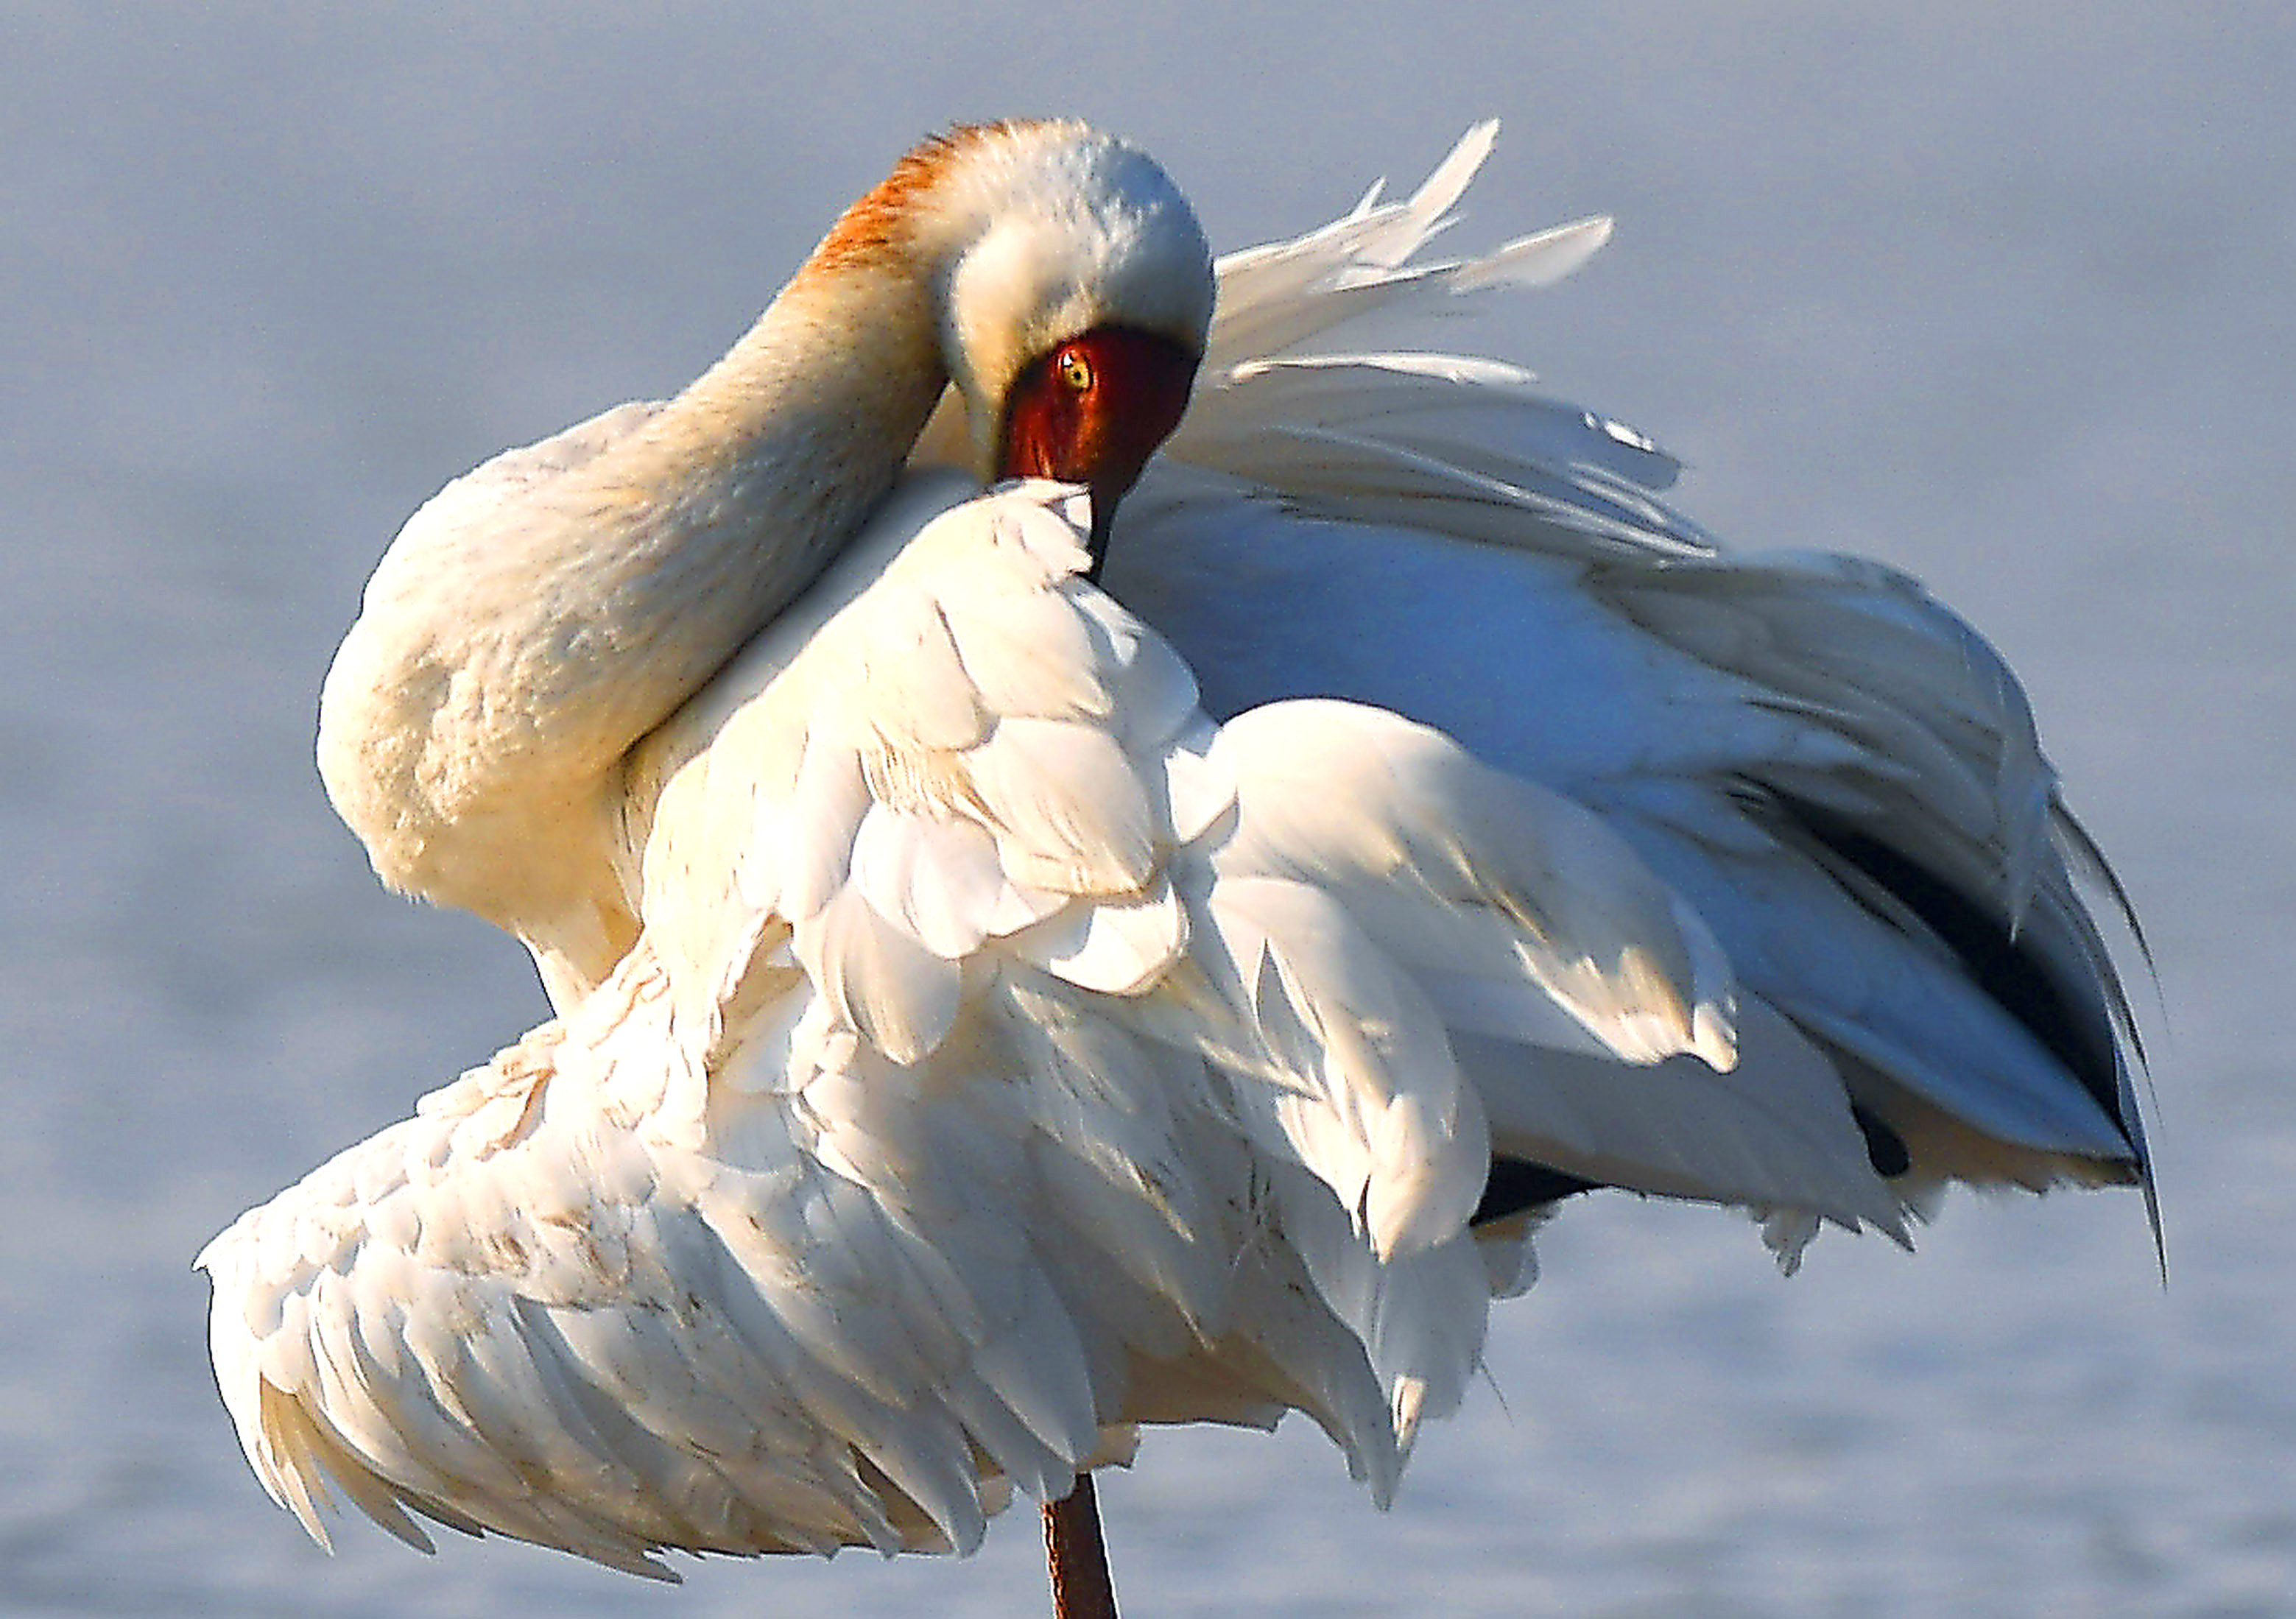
[
  {"x": 533, "y": 623},
  {"x": 681, "y": 542}
]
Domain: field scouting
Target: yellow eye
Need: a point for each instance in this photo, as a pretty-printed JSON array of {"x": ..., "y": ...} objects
[{"x": 1076, "y": 371}]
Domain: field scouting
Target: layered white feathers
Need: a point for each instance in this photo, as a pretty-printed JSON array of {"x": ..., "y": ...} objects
[
  {"x": 1011, "y": 1055},
  {"x": 1837, "y": 773},
  {"x": 1039, "y": 1063}
]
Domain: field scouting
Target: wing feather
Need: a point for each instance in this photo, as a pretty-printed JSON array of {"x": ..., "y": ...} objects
[
  {"x": 991, "y": 1075},
  {"x": 1840, "y": 775}
]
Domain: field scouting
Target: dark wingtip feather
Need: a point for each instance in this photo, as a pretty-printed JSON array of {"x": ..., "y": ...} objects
[{"x": 2080, "y": 1025}]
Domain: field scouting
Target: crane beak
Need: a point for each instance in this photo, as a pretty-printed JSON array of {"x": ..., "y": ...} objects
[{"x": 1104, "y": 499}]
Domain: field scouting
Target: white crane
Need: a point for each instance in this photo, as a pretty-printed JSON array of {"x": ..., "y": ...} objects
[{"x": 968, "y": 1049}]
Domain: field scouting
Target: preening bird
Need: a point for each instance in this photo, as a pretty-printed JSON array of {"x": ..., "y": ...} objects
[{"x": 1004, "y": 999}]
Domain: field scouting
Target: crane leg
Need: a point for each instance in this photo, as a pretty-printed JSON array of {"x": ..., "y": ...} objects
[{"x": 1076, "y": 1558}]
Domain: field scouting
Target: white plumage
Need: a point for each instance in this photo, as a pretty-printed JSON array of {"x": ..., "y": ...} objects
[{"x": 968, "y": 1049}]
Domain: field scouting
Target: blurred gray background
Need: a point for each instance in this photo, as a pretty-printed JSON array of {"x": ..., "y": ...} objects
[{"x": 1999, "y": 294}]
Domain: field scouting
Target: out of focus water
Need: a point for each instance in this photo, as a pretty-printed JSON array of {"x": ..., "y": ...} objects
[{"x": 2005, "y": 302}]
